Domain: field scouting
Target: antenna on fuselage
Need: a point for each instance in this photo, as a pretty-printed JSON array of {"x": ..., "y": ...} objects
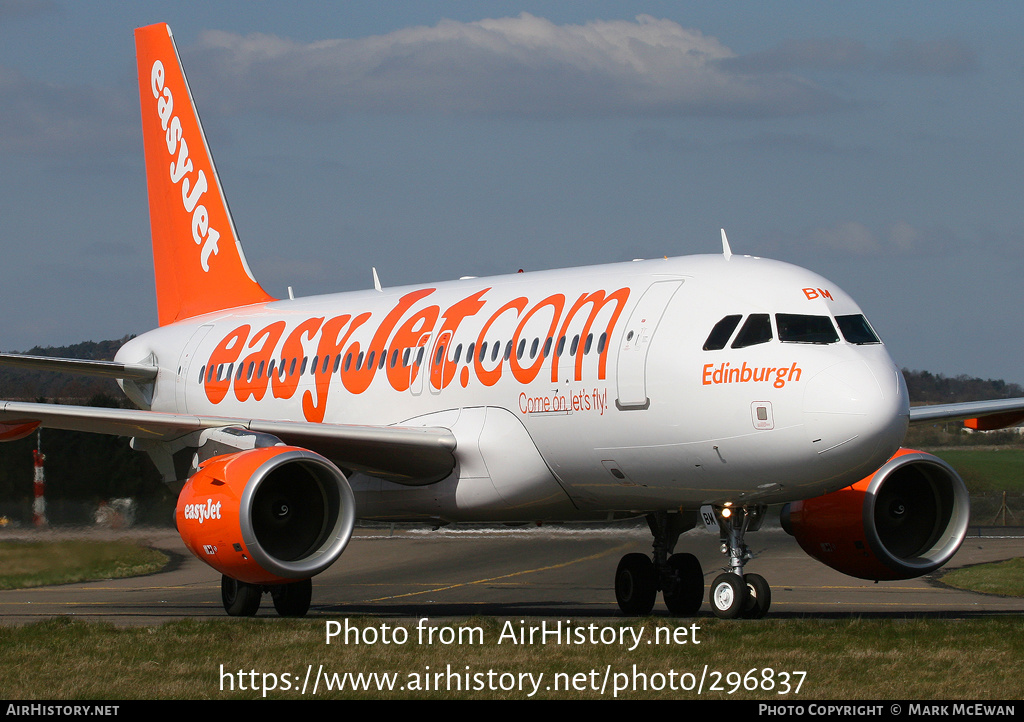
[
  {"x": 726, "y": 251},
  {"x": 376, "y": 281}
]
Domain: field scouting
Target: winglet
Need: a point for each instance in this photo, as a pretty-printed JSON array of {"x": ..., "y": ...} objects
[
  {"x": 726, "y": 251},
  {"x": 376, "y": 281},
  {"x": 198, "y": 261}
]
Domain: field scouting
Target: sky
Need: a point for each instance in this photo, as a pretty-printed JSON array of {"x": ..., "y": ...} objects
[{"x": 879, "y": 144}]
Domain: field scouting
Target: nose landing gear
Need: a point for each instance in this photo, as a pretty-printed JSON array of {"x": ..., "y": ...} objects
[{"x": 733, "y": 593}]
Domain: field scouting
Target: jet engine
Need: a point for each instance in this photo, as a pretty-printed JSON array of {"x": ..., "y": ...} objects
[
  {"x": 267, "y": 515},
  {"x": 905, "y": 520}
]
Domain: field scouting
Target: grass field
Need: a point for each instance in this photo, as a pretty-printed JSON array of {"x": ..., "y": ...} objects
[
  {"x": 1006, "y": 578},
  {"x": 34, "y": 564},
  {"x": 987, "y": 470},
  {"x": 812, "y": 659}
]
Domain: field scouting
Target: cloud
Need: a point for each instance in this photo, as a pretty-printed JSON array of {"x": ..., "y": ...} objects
[
  {"x": 804, "y": 143},
  {"x": 14, "y": 9},
  {"x": 852, "y": 238},
  {"x": 809, "y": 54},
  {"x": 660, "y": 141},
  {"x": 522, "y": 66},
  {"x": 49, "y": 119},
  {"x": 946, "y": 56}
]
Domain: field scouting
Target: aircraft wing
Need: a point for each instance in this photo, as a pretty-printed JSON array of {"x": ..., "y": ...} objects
[
  {"x": 979, "y": 415},
  {"x": 410, "y": 455}
]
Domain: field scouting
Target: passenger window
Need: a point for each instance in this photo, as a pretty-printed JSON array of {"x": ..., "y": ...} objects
[
  {"x": 855, "y": 329},
  {"x": 798, "y": 328},
  {"x": 721, "y": 333},
  {"x": 756, "y": 329}
]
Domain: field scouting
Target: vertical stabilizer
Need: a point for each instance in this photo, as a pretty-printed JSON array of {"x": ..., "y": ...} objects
[{"x": 198, "y": 260}]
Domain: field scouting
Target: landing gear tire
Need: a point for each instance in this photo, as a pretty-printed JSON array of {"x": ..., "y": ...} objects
[
  {"x": 684, "y": 596},
  {"x": 292, "y": 600},
  {"x": 240, "y": 598},
  {"x": 728, "y": 596},
  {"x": 759, "y": 596},
  {"x": 636, "y": 585}
]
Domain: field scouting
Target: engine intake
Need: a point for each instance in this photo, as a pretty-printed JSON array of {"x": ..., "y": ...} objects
[
  {"x": 267, "y": 515},
  {"x": 905, "y": 520}
]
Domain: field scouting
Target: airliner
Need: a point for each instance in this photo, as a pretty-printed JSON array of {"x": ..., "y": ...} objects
[{"x": 687, "y": 391}]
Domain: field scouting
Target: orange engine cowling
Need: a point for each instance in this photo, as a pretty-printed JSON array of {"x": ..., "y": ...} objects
[
  {"x": 907, "y": 519},
  {"x": 268, "y": 515}
]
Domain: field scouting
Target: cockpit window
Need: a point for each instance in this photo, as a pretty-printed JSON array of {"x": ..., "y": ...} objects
[
  {"x": 855, "y": 329},
  {"x": 756, "y": 329},
  {"x": 721, "y": 332},
  {"x": 798, "y": 328}
]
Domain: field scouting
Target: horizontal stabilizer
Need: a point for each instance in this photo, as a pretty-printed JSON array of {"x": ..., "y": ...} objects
[{"x": 110, "y": 369}]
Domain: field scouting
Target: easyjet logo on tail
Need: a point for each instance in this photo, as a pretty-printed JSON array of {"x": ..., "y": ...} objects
[{"x": 193, "y": 186}]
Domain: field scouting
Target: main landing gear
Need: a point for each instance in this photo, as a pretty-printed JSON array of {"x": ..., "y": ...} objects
[
  {"x": 242, "y": 599},
  {"x": 680, "y": 578},
  {"x": 733, "y": 593}
]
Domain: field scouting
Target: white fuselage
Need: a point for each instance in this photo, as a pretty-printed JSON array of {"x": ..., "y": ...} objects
[{"x": 571, "y": 393}]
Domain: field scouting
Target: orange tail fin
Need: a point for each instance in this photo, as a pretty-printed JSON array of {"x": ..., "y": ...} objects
[{"x": 199, "y": 264}]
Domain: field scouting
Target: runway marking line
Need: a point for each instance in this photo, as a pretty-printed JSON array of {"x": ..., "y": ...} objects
[{"x": 506, "y": 576}]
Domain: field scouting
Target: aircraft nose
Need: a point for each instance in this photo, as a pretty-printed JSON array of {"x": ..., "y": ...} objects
[{"x": 856, "y": 412}]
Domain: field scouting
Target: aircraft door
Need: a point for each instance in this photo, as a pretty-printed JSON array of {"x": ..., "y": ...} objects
[
  {"x": 440, "y": 369},
  {"x": 418, "y": 361},
  {"x": 631, "y": 368},
  {"x": 184, "y": 368}
]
